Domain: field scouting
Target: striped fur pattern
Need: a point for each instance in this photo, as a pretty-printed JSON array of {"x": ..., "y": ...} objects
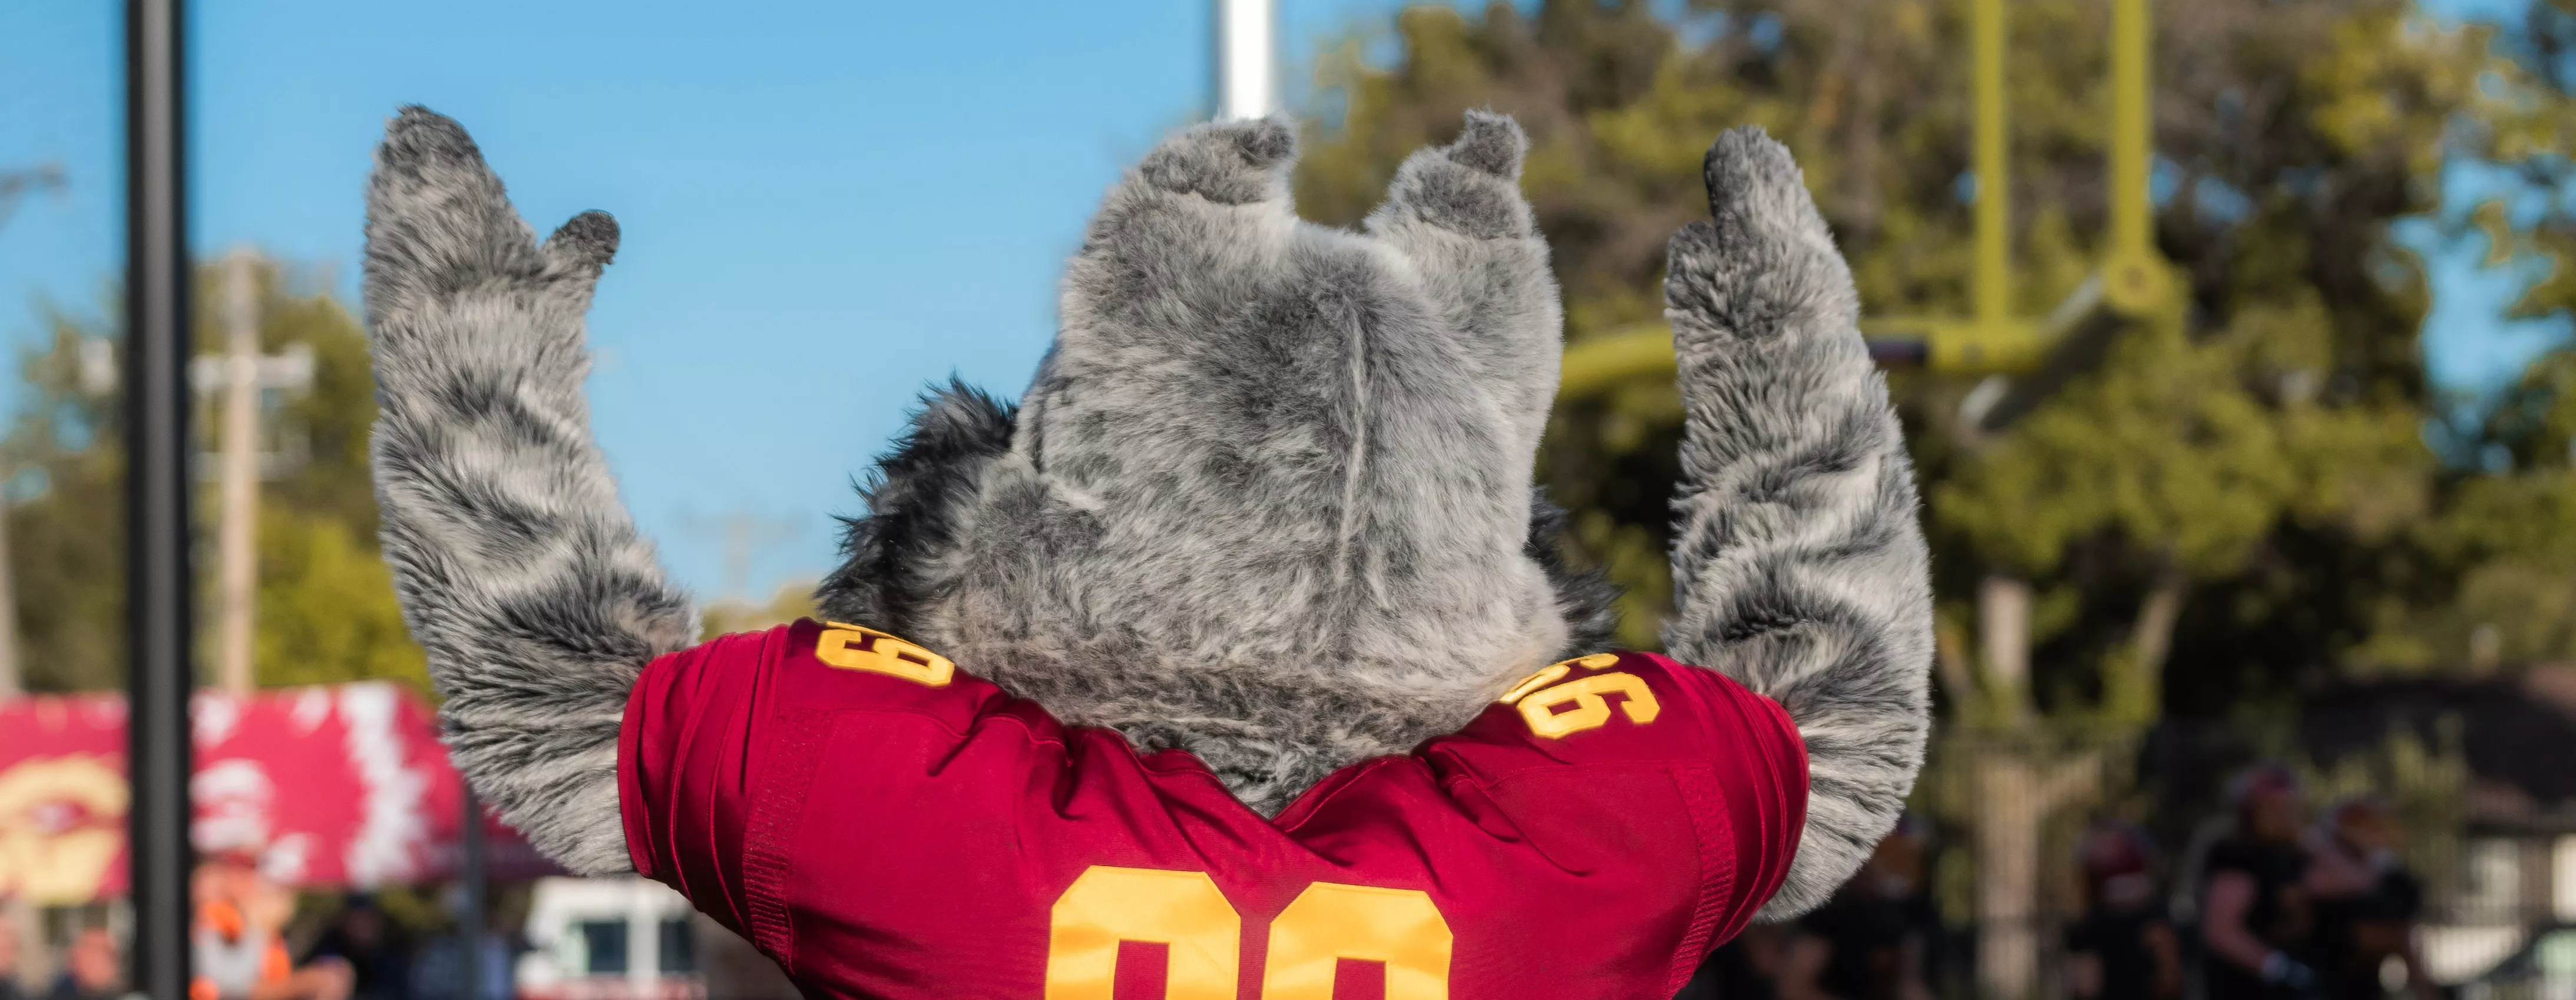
[
  {"x": 519, "y": 571},
  {"x": 1799, "y": 566}
]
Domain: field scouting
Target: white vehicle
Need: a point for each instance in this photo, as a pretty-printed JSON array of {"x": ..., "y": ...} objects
[{"x": 609, "y": 939}]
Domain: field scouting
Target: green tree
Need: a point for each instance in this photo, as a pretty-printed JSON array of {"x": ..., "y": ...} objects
[
  {"x": 65, "y": 505},
  {"x": 325, "y": 605},
  {"x": 793, "y": 600},
  {"x": 2260, "y": 450},
  {"x": 2237, "y": 504}
]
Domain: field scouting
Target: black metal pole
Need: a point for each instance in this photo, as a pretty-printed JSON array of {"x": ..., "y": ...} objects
[
  {"x": 469, "y": 924},
  {"x": 156, "y": 495}
]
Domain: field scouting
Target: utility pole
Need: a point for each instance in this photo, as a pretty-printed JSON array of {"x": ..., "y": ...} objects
[
  {"x": 743, "y": 535},
  {"x": 1246, "y": 72},
  {"x": 158, "y": 639},
  {"x": 239, "y": 376},
  {"x": 1991, "y": 294},
  {"x": 237, "y": 572}
]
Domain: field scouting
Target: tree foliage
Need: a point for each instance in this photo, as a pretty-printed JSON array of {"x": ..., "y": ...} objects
[
  {"x": 793, "y": 600},
  {"x": 325, "y": 606},
  {"x": 2262, "y": 447}
]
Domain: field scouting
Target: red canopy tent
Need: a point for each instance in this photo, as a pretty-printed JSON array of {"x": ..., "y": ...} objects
[{"x": 335, "y": 786}]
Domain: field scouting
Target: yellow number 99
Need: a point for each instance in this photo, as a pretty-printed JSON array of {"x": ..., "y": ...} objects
[
  {"x": 1182, "y": 910},
  {"x": 1399, "y": 928}
]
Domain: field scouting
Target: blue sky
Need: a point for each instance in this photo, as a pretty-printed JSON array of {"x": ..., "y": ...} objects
[{"x": 825, "y": 206}]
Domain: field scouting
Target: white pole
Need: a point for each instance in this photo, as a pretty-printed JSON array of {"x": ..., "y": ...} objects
[
  {"x": 643, "y": 936},
  {"x": 238, "y": 577},
  {"x": 1246, "y": 78}
]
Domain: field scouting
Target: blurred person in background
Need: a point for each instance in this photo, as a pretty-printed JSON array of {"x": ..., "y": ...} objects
[
  {"x": 366, "y": 938},
  {"x": 2124, "y": 946},
  {"x": 2258, "y": 912},
  {"x": 437, "y": 971},
  {"x": 238, "y": 947},
  {"x": 1869, "y": 941},
  {"x": 92, "y": 968},
  {"x": 9, "y": 963},
  {"x": 2367, "y": 905}
]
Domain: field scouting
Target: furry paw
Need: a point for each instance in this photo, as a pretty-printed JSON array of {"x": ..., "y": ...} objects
[
  {"x": 440, "y": 223},
  {"x": 1470, "y": 186},
  {"x": 1763, "y": 263},
  {"x": 1492, "y": 143},
  {"x": 1230, "y": 163},
  {"x": 583, "y": 245}
]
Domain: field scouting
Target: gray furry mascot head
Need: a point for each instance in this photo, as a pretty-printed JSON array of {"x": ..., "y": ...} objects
[{"x": 1268, "y": 499}]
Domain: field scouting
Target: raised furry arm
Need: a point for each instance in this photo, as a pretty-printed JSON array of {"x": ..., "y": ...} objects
[
  {"x": 519, "y": 571},
  {"x": 1798, "y": 564}
]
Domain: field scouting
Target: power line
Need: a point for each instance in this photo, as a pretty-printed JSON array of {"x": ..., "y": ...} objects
[{"x": 16, "y": 185}]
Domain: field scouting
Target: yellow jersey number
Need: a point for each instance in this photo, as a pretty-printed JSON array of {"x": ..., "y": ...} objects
[
  {"x": 1538, "y": 701},
  {"x": 858, "y": 647},
  {"x": 1185, "y": 912}
]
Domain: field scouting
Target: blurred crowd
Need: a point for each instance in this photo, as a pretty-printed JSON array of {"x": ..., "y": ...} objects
[
  {"x": 92, "y": 967},
  {"x": 2281, "y": 901},
  {"x": 2289, "y": 903},
  {"x": 256, "y": 940}
]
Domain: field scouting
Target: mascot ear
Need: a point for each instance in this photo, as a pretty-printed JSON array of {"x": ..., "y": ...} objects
[
  {"x": 1456, "y": 212},
  {"x": 919, "y": 499},
  {"x": 1265, "y": 462}
]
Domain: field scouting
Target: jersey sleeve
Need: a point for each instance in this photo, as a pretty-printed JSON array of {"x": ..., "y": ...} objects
[
  {"x": 721, "y": 743},
  {"x": 1758, "y": 769},
  {"x": 1570, "y": 758},
  {"x": 693, "y": 725}
]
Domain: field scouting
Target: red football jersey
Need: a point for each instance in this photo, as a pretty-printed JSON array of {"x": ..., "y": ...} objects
[{"x": 885, "y": 825}]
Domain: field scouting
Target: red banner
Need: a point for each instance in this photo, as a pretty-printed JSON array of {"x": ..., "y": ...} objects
[{"x": 338, "y": 786}]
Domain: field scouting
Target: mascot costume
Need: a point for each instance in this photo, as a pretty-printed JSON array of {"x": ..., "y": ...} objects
[{"x": 1237, "y": 656}]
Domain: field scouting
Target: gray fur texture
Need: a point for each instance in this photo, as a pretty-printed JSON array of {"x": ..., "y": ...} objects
[
  {"x": 519, "y": 571},
  {"x": 1269, "y": 497},
  {"x": 1799, "y": 567}
]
